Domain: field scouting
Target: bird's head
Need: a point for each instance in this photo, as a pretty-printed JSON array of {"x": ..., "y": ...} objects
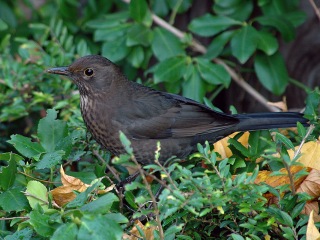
[{"x": 91, "y": 73}]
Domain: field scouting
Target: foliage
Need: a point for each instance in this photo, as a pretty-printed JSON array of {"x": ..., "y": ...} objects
[{"x": 246, "y": 34}]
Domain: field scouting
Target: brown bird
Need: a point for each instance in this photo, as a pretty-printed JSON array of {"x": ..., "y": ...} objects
[{"x": 111, "y": 103}]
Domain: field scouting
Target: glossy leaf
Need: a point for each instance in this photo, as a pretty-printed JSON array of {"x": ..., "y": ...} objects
[
  {"x": 218, "y": 43},
  {"x": 13, "y": 200},
  {"x": 236, "y": 9},
  {"x": 51, "y": 131},
  {"x": 280, "y": 23},
  {"x": 26, "y": 147},
  {"x": 165, "y": 44},
  {"x": 136, "y": 56},
  {"x": 140, "y": 12},
  {"x": 8, "y": 174},
  {"x": 272, "y": 72},
  {"x": 193, "y": 87},
  {"x": 209, "y": 25},
  {"x": 170, "y": 70},
  {"x": 213, "y": 73},
  {"x": 267, "y": 43},
  {"x": 139, "y": 35},
  {"x": 115, "y": 50},
  {"x": 244, "y": 43}
]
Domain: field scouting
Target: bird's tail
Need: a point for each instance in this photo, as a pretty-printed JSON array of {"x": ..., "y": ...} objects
[{"x": 261, "y": 121}]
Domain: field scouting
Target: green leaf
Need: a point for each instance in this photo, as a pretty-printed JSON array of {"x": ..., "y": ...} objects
[
  {"x": 66, "y": 231},
  {"x": 109, "y": 20},
  {"x": 193, "y": 87},
  {"x": 209, "y": 25},
  {"x": 213, "y": 73},
  {"x": 284, "y": 140},
  {"x": 244, "y": 43},
  {"x": 82, "y": 197},
  {"x": 125, "y": 142},
  {"x": 281, "y": 216},
  {"x": 280, "y": 23},
  {"x": 136, "y": 56},
  {"x": 50, "y": 159},
  {"x": 24, "y": 234},
  {"x": 3, "y": 25},
  {"x": 239, "y": 147},
  {"x": 40, "y": 223},
  {"x": 38, "y": 194},
  {"x": 26, "y": 147},
  {"x": 272, "y": 72},
  {"x": 8, "y": 156},
  {"x": 218, "y": 43},
  {"x": 166, "y": 45},
  {"x": 267, "y": 43},
  {"x": 51, "y": 131},
  {"x": 139, "y": 34},
  {"x": 111, "y": 33},
  {"x": 170, "y": 70},
  {"x": 240, "y": 10},
  {"x": 312, "y": 105},
  {"x": 101, "y": 205},
  {"x": 13, "y": 200},
  {"x": 8, "y": 174},
  {"x": 140, "y": 12},
  {"x": 115, "y": 50},
  {"x": 99, "y": 227}
]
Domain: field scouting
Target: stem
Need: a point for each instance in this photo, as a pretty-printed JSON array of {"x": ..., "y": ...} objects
[
  {"x": 155, "y": 206},
  {"x": 299, "y": 84},
  {"x": 174, "y": 12},
  {"x": 95, "y": 153}
]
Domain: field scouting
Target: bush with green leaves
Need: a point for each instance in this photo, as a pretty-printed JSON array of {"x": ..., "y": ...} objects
[{"x": 240, "y": 36}]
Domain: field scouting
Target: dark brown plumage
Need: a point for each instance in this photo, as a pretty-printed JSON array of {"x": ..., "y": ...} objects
[{"x": 110, "y": 103}]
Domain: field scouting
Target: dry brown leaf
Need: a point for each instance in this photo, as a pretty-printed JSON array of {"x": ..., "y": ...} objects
[
  {"x": 222, "y": 146},
  {"x": 312, "y": 206},
  {"x": 312, "y": 231},
  {"x": 148, "y": 231},
  {"x": 74, "y": 183},
  {"x": 64, "y": 194},
  {"x": 275, "y": 181},
  {"x": 311, "y": 185},
  {"x": 281, "y": 105}
]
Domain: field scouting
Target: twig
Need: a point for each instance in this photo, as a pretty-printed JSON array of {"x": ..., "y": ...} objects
[
  {"x": 310, "y": 129},
  {"x": 12, "y": 218},
  {"x": 95, "y": 153},
  {"x": 315, "y": 8},
  {"x": 198, "y": 47},
  {"x": 155, "y": 206}
]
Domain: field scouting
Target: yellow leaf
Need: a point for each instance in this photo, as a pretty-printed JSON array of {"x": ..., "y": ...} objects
[
  {"x": 222, "y": 146},
  {"x": 312, "y": 231}
]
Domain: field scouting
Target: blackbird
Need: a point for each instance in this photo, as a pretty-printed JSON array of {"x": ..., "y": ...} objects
[{"x": 111, "y": 103}]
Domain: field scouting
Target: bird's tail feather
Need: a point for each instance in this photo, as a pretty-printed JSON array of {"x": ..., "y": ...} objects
[{"x": 261, "y": 121}]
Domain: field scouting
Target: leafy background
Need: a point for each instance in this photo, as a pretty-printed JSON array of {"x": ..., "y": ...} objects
[{"x": 202, "y": 51}]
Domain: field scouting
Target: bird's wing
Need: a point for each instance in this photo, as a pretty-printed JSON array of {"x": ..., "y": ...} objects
[{"x": 158, "y": 115}]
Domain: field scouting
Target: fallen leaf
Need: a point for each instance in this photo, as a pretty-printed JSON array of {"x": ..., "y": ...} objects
[
  {"x": 310, "y": 155},
  {"x": 148, "y": 231},
  {"x": 312, "y": 206},
  {"x": 222, "y": 146},
  {"x": 311, "y": 185},
  {"x": 275, "y": 181},
  {"x": 312, "y": 231},
  {"x": 64, "y": 194}
]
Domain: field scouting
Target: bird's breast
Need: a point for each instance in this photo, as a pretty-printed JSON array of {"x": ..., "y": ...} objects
[{"x": 98, "y": 121}]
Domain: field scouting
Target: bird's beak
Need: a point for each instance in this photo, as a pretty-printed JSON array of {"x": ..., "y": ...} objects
[{"x": 59, "y": 70}]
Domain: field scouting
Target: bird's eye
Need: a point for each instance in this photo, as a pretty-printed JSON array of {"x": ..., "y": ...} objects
[{"x": 88, "y": 72}]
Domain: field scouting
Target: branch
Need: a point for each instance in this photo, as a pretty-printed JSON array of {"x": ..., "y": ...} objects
[
  {"x": 315, "y": 8},
  {"x": 198, "y": 47}
]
